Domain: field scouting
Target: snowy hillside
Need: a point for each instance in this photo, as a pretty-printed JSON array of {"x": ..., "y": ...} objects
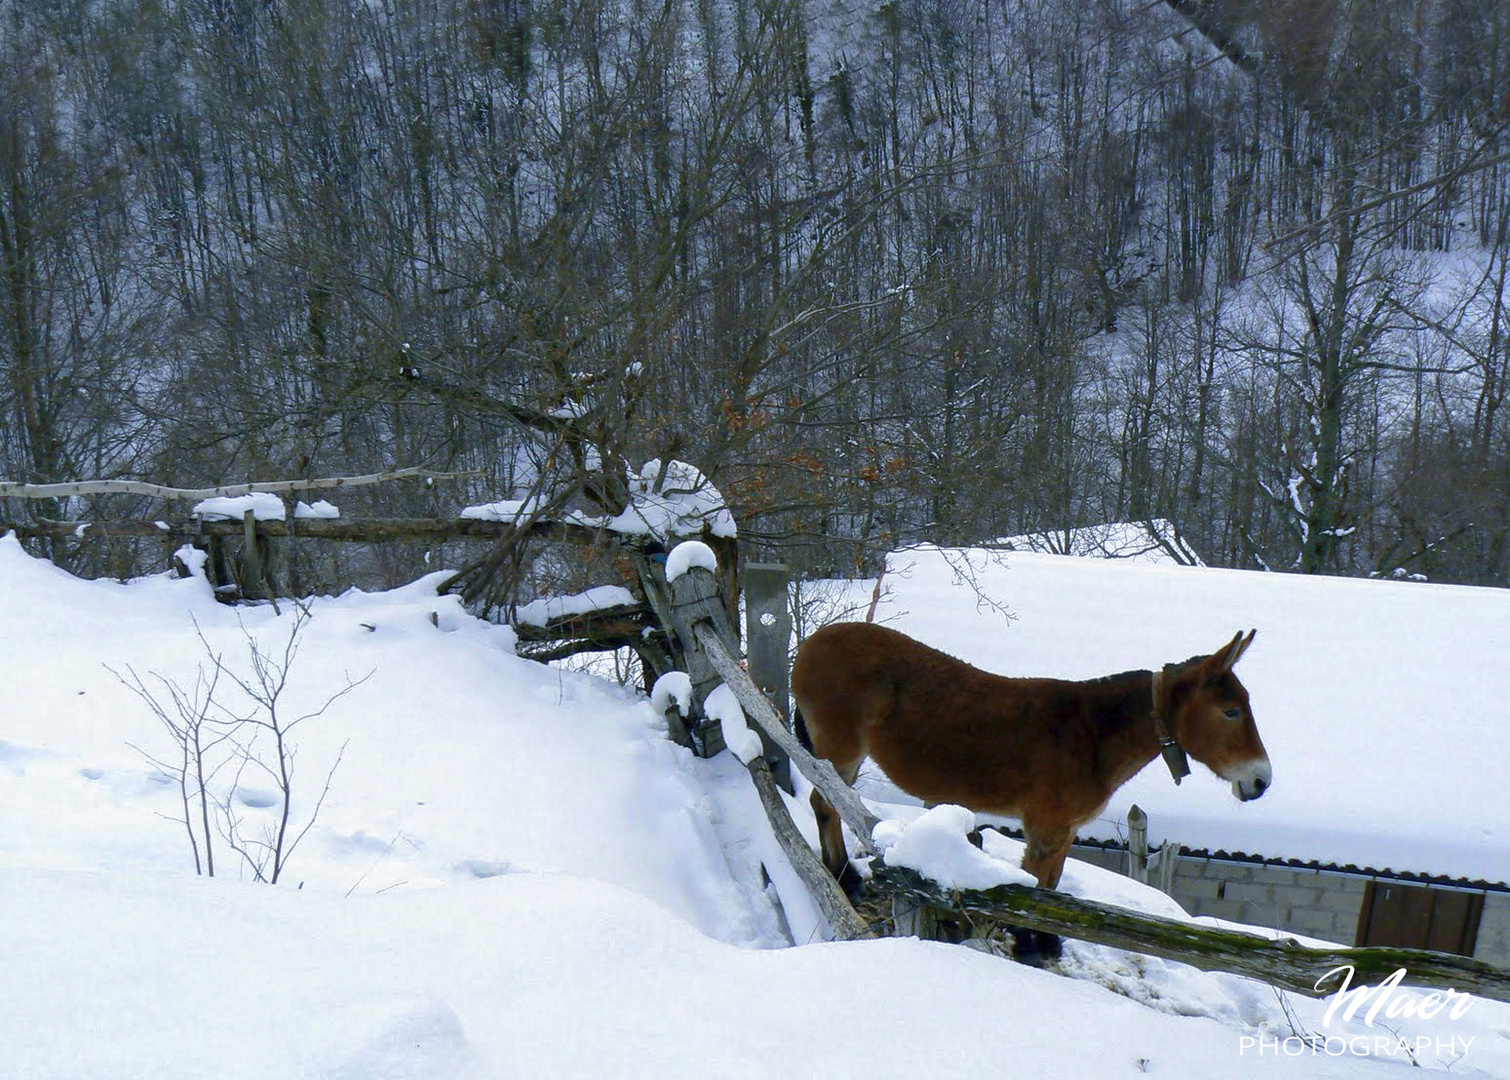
[{"x": 515, "y": 874}]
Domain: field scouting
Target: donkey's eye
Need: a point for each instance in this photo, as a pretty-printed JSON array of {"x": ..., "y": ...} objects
[{"x": 1233, "y": 714}]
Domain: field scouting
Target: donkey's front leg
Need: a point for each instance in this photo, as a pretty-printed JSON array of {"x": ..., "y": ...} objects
[
  {"x": 1044, "y": 859},
  {"x": 1045, "y": 854}
]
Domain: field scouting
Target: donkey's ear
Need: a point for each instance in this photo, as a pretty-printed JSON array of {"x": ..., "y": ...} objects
[{"x": 1229, "y": 654}]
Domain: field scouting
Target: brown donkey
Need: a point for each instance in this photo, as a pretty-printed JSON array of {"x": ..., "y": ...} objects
[{"x": 1048, "y": 752}]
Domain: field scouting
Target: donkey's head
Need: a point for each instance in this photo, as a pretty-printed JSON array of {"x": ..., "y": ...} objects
[{"x": 1208, "y": 714}]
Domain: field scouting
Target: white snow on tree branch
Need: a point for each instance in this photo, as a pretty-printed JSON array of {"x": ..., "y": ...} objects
[
  {"x": 686, "y": 555},
  {"x": 514, "y": 511},
  {"x": 547, "y": 608},
  {"x": 683, "y": 505},
  {"x": 264, "y": 506},
  {"x": 510, "y": 510}
]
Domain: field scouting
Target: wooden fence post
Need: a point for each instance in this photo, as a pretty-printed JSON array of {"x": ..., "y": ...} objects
[
  {"x": 1137, "y": 843},
  {"x": 1161, "y": 866},
  {"x": 693, "y": 598},
  {"x": 844, "y": 799},
  {"x": 768, "y": 638}
]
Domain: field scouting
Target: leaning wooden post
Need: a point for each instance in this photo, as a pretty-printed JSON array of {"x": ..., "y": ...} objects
[
  {"x": 756, "y": 708},
  {"x": 768, "y": 636},
  {"x": 699, "y": 617},
  {"x": 825, "y": 891}
]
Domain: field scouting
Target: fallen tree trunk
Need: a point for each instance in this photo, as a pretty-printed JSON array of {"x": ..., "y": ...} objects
[
  {"x": 1284, "y": 963},
  {"x": 620, "y": 626}
]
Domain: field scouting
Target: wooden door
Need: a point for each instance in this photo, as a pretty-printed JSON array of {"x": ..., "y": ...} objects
[{"x": 1420, "y": 917}]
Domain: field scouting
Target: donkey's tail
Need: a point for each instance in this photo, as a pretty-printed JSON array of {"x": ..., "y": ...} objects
[{"x": 799, "y": 728}]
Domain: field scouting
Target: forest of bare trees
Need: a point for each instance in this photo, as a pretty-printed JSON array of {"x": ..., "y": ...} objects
[{"x": 946, "y": 270}]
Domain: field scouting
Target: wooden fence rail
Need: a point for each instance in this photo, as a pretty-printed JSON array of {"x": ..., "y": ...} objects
[
  {"x": 1284, "y": 963},
  {"x": 12, "y": 489},
  {"x": 353, "y": 530}
]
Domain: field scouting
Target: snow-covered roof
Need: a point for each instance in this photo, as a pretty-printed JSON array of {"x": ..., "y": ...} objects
[{"x": 1381, "y": 703}]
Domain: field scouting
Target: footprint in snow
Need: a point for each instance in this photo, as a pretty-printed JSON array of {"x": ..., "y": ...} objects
[
  {"x": 91, "y": 773},
  {"x": 13, "y": 758},
  {"x": 256, "y": 798},
  {"x": 486, "y": 868}
]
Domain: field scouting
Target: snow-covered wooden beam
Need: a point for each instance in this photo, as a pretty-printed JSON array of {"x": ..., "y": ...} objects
[
  {"x": 363, "y": 530},
  {"x": 1284, "y": 963},
  {"x": 14, "y": 490},
  {"x": 599, "y": 630}
]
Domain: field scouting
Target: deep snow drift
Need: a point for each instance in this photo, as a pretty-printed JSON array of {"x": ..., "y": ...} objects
[{"x": 513, "y": 874}]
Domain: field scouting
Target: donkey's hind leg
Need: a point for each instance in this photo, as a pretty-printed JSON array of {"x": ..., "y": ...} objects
[{"x": 831, "y": 838}]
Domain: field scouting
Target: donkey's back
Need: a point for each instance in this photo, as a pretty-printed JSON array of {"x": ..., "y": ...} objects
[{"x": 940, "y": 728}]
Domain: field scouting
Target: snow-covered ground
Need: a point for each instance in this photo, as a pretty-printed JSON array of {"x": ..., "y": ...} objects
[{"x": 514, "y": 873}]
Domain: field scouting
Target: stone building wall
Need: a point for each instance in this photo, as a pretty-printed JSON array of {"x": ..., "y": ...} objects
[{"x": 1322, "y": 904}]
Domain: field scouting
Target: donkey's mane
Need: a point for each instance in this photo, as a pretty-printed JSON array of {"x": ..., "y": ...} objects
[
  {"x": 1136, "y": 706},
  {"x": 1102, "y": 680}
]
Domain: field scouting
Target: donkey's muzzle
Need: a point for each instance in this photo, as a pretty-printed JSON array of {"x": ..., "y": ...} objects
[{"x": 1252, "y": 781}]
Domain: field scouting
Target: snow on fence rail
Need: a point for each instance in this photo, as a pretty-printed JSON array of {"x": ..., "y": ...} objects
[{"x": 665, "y": 501}]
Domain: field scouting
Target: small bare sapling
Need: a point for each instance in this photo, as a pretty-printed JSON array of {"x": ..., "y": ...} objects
[{"x": 254, "y": 738}]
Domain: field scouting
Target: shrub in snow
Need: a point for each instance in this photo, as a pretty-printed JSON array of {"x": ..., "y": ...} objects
[{"x": 210, "y": 738}]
